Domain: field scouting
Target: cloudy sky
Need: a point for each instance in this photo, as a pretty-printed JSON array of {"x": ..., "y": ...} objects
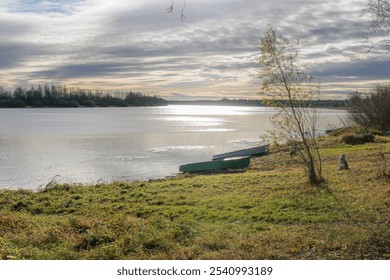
[{"x": 121, "y": 45}]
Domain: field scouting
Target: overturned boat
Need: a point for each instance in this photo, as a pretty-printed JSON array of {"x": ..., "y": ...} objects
[
  {"x": 250, "y": 152},
  {"x": 216, "y": 165}
]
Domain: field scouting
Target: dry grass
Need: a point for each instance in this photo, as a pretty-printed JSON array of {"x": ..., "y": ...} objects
[{"x": 268, "y": 212}]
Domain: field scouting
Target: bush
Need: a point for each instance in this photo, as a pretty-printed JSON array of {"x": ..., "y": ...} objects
[
  {"x": 66, "y": 103},
  {"x": 88, "y": 103},
  {"x": 12, "y": 103},
  {"x": 357, "y": 130},
  {"x": 38, "y": 104},
  {"x": 371, "y": 109},
  {"x": 353, "y": 139}
]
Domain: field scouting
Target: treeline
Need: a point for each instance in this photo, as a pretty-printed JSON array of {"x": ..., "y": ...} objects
[
  {"x": 251, "y": 102},
  {"x": 330, "y": 103},
  {"x": 61, "y": 96},
  {"x": 221, "y": 102}
]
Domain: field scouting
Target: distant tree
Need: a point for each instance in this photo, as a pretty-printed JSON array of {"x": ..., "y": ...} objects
[
  {"x": 379, "y": 11},
  {"x": 371, "y": 110},
  {"x": 4, "y": 94},
  {"x": 283, "y": 80}
]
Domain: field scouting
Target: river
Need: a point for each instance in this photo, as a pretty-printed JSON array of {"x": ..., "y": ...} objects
[{"x": 91, "y": 145}]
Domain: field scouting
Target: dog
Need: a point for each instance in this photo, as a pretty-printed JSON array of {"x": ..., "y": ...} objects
[{"x": 343, "y": 164}]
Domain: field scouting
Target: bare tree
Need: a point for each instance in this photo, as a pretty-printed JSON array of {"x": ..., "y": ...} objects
[
  {"x": 379, "y": 11},
  {"x": 290, "y": 89}
]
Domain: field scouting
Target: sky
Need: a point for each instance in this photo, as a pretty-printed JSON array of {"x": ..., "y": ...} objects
[{"x": 122, "y": 45}]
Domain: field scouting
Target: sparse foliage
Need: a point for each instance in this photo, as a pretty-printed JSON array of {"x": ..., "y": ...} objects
[
  {"x": 290, "y": 89},
  {"x": 371, "y": 110},
  {"x": 379, "y": 11}
]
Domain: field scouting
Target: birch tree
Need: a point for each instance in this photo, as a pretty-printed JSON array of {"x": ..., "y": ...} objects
[{"x": 290, "y": 89}]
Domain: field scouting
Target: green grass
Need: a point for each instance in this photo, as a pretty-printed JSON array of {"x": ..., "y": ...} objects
[{"x": 267, "y": 212}]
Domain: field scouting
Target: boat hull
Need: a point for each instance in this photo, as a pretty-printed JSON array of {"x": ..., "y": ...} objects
[
  {"x": 208, "y": 166},
  {"x": 255, "y": 151}
]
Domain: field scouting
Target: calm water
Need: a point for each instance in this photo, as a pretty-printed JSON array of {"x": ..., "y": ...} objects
[{"x": 93, "y": 144}]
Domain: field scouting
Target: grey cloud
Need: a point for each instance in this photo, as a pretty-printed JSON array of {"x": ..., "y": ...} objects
[
  {"x": 13, "y": 54},
  {"x": 9, "y": 28},
  {"x": 359, "y": 70},
  {"x": 81, "y": 70},
  {"x": 145, "y": 41},
  {"x": 10, "y": 55},
  {"x": 138, "y": 67}
]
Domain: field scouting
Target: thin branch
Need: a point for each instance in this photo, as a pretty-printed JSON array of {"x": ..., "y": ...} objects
[
  {"x": 183, "y": 17},
  {"x": 170, "y": 8}
]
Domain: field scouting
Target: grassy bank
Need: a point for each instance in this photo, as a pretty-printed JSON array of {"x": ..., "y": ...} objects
[{"x": 268, "y": 212}]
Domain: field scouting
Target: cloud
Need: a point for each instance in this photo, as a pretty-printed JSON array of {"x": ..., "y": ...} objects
[
  {"x": 122, "y": 44},
  {"x": 45, "y": 7},
  {"x": 358, "y": 69}
]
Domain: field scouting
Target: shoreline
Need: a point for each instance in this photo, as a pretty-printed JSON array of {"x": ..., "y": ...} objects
[{"x": 266, "y": 212}]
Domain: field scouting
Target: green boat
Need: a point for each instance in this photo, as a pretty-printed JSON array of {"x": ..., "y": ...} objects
[
  {"x": 206, "y": 166},
  {"x": 255, "y": 151}
]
